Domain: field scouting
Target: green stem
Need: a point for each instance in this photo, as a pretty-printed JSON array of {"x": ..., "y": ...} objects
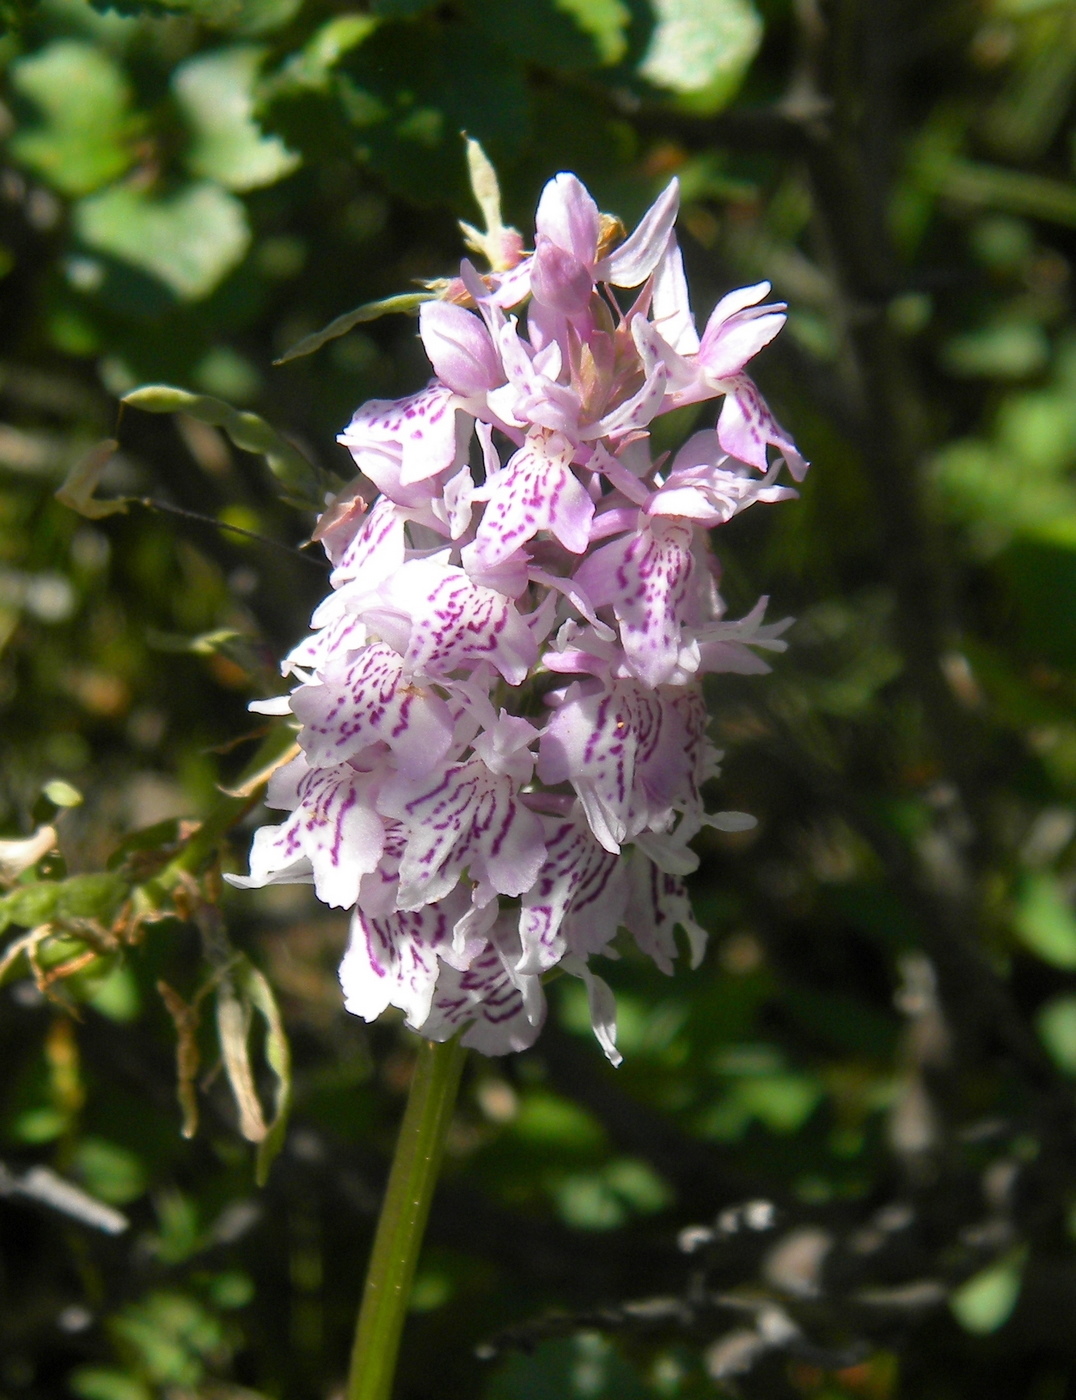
[{"x": 406, "y": 1206}]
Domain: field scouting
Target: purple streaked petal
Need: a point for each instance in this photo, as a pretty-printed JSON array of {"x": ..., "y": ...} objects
[
  {"x": 646, "y": 577},
  {"x": 339, "y": 831},
  {"x": 537, "y": 490},
  {"x": 659, "y": 902},
  {"x": 577, "y": 900},
  {"x": 395, "y": 960},
  {"x": 500, "y": 1015},
  {"x": 624, "y": 750},
  {"x": 439, "y": 620},
  {"x": 463, "y": 818},
  {"x": 366, "y": 701}
]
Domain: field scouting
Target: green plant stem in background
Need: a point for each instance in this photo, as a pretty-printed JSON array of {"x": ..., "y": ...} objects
[{"x": 404, "y": 1211}]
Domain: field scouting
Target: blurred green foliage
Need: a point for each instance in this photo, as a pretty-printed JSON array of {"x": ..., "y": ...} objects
[{"x": 882, "y": 1038}]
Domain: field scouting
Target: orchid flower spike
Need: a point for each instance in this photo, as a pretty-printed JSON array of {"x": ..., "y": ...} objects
[{"x": 499, "y": 708}]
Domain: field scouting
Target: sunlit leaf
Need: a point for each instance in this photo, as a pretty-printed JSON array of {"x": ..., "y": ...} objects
[
  {"x": 405, "y": 302},
  {"x": 188, "y": 240},
  {"x": 1044, "y": 921},
  {"x": 216, "y": 92},
  {"x": 986, "y": 1301},
  {"x": 247, "y": 430},
  {"x": 701, "y": 49},
  {"x": 84, "y": 137}
]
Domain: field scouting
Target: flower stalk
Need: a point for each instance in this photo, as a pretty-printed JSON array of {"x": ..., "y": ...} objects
[{"x": 404, "y": 1212}]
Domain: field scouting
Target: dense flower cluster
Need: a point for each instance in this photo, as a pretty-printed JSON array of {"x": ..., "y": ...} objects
[{"x": 500, "y": 712}]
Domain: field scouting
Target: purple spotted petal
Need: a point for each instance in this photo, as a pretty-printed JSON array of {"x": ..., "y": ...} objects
[
  {"x": 646, "y": 578},
  {"x": 463, "y": 818},
  {"x": 746, "y": 427},
  {"x": 537, "y": 490},
  {"x": 376, "y": 550},
  {"x": 419, "y": 432},
  {"x": 366, "y": 702}
]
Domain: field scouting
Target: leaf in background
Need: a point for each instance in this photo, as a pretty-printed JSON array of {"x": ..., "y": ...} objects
[
  {"x": 77, "y": 491},
  {"x": 565, "y": 34},
  {"x": 216, "y": 92},
  {"x": 246, "y": 430},
  {"x": 240, "y": 994},
  {"x": 412, "y": 88},
  {"x": 84, "y": 139},
  {"x": 405, "y": 302},
  {"x": 701, "y": 50},
  {"x": 1044, "y": 921},
  {"x": 188, "y": 240},
  {"x": 986, "y": 1300},
  {"x": 1056, "y": 1024}
]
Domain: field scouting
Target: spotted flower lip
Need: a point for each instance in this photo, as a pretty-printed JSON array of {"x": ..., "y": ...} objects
[{"x": 499, "y": 708}]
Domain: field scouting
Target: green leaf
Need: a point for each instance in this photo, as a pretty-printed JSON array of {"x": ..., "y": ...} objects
[
  {"x": 84, "y": 138},
  {"x": 1014, "y": 191},
  {"x": 77, "y": 491},
  {"x": 1044, "y": 921},
  {"x": 701, "y": 49},
  {"x": 985, "y": 1301},
  {"x": 410, "y": 90},
  {"x": 216, "y": 92},
  {"x": 188, "y": 240},
  {"x": 278, "y": 1057},
  {"x": 1056, "y": 1023},
  {"x": 563, "y": 34},
  {"x": 247, "y": 430},
  {"x": 405, "y": 302}
]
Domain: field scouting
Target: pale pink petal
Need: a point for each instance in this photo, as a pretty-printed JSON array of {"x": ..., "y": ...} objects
[
  {"x": 568, "y": 217},
  {"x": 559, "y": 279},
  {"x": 636, "y": 412},
  {"x": 460, "y": 348},
  {"x": 339, "y": 831},
  {"x": 670, "y": 307},
  {"x": 633, "y": 262},
  {"x": 602, "y": 1006}
]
